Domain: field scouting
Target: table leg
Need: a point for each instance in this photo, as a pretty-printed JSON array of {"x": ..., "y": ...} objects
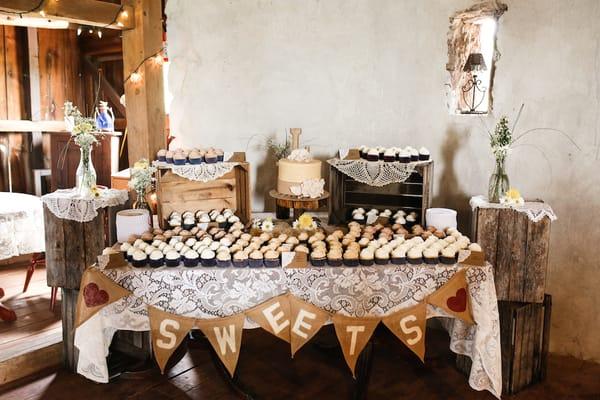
[
  {"x": 363, "y": 372},
  {"x": 282, "y": 213}
]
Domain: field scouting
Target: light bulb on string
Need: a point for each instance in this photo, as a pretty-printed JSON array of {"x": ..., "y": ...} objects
[
  {"x": 99, "y": 32},
  {"x": 158, "y": 59},
  {"x": 43, "y": 13},
  {"x": 124, "y": 14},
  {"x": 135, "y": 77},
  {"x": 79, "y": 30},
  {"x": 90, "y": 31}
]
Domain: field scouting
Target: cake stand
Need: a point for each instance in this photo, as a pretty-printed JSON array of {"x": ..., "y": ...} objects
[{"x": 298, "y": 204}]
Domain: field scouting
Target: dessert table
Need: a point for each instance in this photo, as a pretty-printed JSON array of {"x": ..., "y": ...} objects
[{"x": 352, "y": 291}]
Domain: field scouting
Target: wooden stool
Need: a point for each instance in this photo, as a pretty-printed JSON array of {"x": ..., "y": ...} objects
[{"x": 299, "y": 205}]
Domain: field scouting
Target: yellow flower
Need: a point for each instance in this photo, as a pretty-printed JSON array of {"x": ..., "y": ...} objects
[
  {"x": 513, "y": 194},
  {"x": 142, "y": 164},
  {"x": 95, "y": 191},
  {"x": 305, "y": 221}
]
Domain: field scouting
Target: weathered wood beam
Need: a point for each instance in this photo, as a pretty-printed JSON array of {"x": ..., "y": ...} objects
[
  {"x": 83, "y": 12},
  {"x": 32, "y": 126},
  {"x": 144, "y": 98}
]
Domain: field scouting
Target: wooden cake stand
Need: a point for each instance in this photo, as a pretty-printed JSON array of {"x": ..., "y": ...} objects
[{"x": 298, "y": 204}]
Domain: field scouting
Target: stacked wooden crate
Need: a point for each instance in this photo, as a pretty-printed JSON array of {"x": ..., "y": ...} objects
[{"x": 518, "y": 249}]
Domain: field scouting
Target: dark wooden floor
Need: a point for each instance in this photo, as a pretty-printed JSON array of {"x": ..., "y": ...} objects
[{"x": 266, "y": 370}]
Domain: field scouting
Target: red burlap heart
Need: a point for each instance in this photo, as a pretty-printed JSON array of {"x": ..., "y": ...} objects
[
  {"x": 458, "y": 303},
  {"x": 93, "y": 295}
]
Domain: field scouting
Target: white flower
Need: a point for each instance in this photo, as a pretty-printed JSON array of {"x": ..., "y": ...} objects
[
  {"x": 267, "y": 225},
  {"x": 313, "y": 188}
]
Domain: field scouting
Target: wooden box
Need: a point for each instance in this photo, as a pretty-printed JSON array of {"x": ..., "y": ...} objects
[
  {"x": 232, "y": 190},
  {"x": 517, "y": 248},
  {"x": 524, "y": 339},
  {"x": 346, "y": 194}
]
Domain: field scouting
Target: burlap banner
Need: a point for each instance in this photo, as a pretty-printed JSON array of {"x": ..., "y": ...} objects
[{"x": 285, "y": 316}]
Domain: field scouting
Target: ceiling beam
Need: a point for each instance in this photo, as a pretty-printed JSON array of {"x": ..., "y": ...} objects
[{"x": 82, "y": 12}]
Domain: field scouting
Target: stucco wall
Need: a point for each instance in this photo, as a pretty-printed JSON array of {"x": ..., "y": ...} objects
[{"x": 353, "y": 72}]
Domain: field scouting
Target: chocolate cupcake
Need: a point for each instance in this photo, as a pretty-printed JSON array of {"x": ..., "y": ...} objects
[
  {"x": 162, "y": 155},
  {"x": 211, "y": 157},
  {"x": 255, "y": 259},
  {"x": 179, "y": 159},
  {"x": 318, "y": 257},
  {"x": 189, "y": 223},
  {"x": 221, "y": 221},
  {"x": 130, "y": 252},
  {"x": 334, "y": 257},
  {"x": 272, "y": 259},
  {"x": 191, "y": 258},
  {"x": 382, "y": 256},
  {"x": 124, "y": 247},
  {"x": 373, "y": 154},
  {"x": 399, "y": 256},
  {"x": 389, "y": 155},
  {"x": 430, "y": 255},
  {"x": 156, "y": 259},
  {"x": 196, "y": 157},
  {"x": 449, "y": 255},
  {"x": 423, "y": 154},
  {"x": 139, "y": 259},
  {"x": 415, "y": 255},
  {"x": 169, "y": 157},
  {"x": 220, "y": 155},
  {"x": 223, "y": 259},
  {"x": 351, "y": 258},
  {"x": 404, "y": 156},
  {"x": 207, "y": 258},
  {"x": 366, "y": 256},
  {"x": 240, "y": 259},
  {"x": 414, "y": 154}
]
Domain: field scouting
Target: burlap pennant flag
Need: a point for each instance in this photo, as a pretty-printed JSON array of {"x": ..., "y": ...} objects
[
  {"x": 353, "y": 335},
  {"x": 96, "y": 291},
  {"x": 409, "y": 326},
  {"x": 168, "y": 331},
  {"x": 273, "y": 316},
  {"x": 225, "y": 336},
  {"x": 307, "y": 319},
  {"x": 454, "y": 297}
]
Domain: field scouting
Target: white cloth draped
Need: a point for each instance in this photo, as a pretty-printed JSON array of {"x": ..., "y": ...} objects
[{"x": 67, "y": 204}]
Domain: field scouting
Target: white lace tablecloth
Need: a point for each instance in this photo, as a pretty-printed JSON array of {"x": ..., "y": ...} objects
[
  {"x": 362, "y": 291},
  {"x": 375, "y": 173},
  {"x": 21, "y": 225},
  {"x": 199, "y": 172},
  {"x": 66, "y": 203},
  {"x": 535, "y": 210}
]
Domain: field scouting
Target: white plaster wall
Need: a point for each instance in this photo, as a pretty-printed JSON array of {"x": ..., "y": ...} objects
[{"x": 353, "y": 72}]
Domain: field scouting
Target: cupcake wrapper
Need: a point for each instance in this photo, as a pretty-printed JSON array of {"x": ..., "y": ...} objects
[
  {"x": 317, "y": 262},
  {"x": 414, "y": 158},
  {"x": 380, "y": 261},
  {"x": 190, "y": 262},
  {"x": 156, "y": 263},
  {"x": 398, "y": 260},
  {"x": 222, "y": 225},
  {"x": 389, "y": 158},
  {"x": 372, "y": 158},
  {"x": 195, "y": 161},
  {"x": 335, "y": 263},
  {"x": 223, "y": 263},
  {"x": 179, "y": 162},
  {"x": 415, "y": 260},
  {"x": 162, "y": 158},
  {"x": 220, "y": 157},
  {"x": 187, "y": 227},
  {"x": 254, "y": 263},
  {"x": 423, "y": 157},
  {"x": 208, "y": 262},
  {"x": 351, "y": 263},
  {"x": 138, "y": 263},
  {"x": 240, "y": 263},
  {"x": 431, "y": 260},
  {"x": 404, "y": 159},
  {"x": 172, "y": 263},
  {"x": 366, "y": 263},
  {"x": 448, "y": 260},
  {"x": 211, "y": 160},
  {"x": 169, "y": 160},
  {"x": 272, "y": 262}
]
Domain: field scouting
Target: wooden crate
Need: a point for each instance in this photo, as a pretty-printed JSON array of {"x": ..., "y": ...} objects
[
  {"x": 517, "y": 248},
  {"x": 524, "y": 339},
  {"x": 232, "y": 190},
  {"x": 346, "y": 194}
]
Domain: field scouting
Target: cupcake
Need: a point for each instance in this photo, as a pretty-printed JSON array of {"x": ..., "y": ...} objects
[
  {"x": 351, "y": 258},
  {"x": 147, "y": 237},
  {"x": 381, "y": 151},
  {"x": 156, "y": 259},
  {"x": 221, "y": 221},
  {"x": 423, "y": 154},
  {"x": 366, "y": 256},
  {"x": 448, "y": 255},
  {"x": 430, "y": 255},
  {"x": 189, "y": 223},
  {"x": 411, "y": 220},
  {"x": 404, "y": 156},
  {"x": 362, "y": 151},
  {"x": 272, "y": 259},
  {"x": 211, "y": 157},
  {"x": 223, "y": 259},
  {"x": 415, "y": 255},
  {"x": 302, "y": 249},
  {"x": 207, "y": 258},
  {"x": 373, "y": 154},
  {"x": 414, "y": 154},
  {"x": 124, "y": 247},
  {"x": 240, "y": 259},
  {"x": 475, "y": 247},
  {"x": 334, "y": 257},
  {"x": 169, "y": 157},
  {"x": 399, "y": 255},
  {"x": 318, "y": 257},
  {"x": 382, "y": 256},
  {"x": 255, "y": 259},
  {"x": 196, "y": 157},
  {"x": 190, "y": 258},
  {"x": 130, "y": 252},
  {"x": 220, "y": 154},
  {"x": 389, "y": 155},
  {"x": 139, "y": 259},
  {"x": 162, "y": 155},
  {"x": 179, "y": 159}
]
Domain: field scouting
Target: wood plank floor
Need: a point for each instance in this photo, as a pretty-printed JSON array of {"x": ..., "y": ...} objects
[
  {"x": 266, "y": 370},
  {"x": 36, "y": 326}
]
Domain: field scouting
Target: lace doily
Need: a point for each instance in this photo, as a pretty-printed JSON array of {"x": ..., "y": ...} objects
[
  {"x": 534, "y": 210},
  {"x": 66, "y": 204},
  {"x": 21, "y": 225},
  {"x": 199, "y": 172},
  {"x": 375, "y": 173}
]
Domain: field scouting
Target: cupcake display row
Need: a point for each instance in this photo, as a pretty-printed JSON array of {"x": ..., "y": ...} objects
[
  {"x": 400, "y": 217},
  {"x": 190, "y": 219},
  {"x": 195, "y": 156},
  {"x": 390, "y": 154}
]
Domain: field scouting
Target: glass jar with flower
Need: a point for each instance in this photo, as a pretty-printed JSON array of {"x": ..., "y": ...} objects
[
  {"x": 500, "y": 142},
  {"x": 142, "y": 177}
]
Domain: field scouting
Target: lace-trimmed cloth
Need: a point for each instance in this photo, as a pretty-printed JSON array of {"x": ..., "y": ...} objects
[
  {"x": 199, "y": 172},
  {"x": 21, "y": 225},
  {"x": 375, "y": 173},
  {"x": 66, "y": 203},
  {"x": 534, "y": 210}
]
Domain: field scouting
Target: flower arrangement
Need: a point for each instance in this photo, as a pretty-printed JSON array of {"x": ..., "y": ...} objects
[
  {"x": 280, "y": 150},
  {"x": 512, "y": 197},
  {"x": 265, "y": 225},
  {"x": 305, "y": 222},
  {"x": 142, "y": 177}
]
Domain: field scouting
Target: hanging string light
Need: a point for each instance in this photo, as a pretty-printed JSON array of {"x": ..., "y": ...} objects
[{"x": 136, "y": 75}]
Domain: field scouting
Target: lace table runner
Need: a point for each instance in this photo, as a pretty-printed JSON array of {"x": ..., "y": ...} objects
[
  {"x": 360, "y": 292},
  {"x": 199, "y": 172},
  {"x": 534, "y": 210},
  {"x": 66, "y": 203},
  {"x": 375, "y": 173},
  {"x": 21, "y": 225}
]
